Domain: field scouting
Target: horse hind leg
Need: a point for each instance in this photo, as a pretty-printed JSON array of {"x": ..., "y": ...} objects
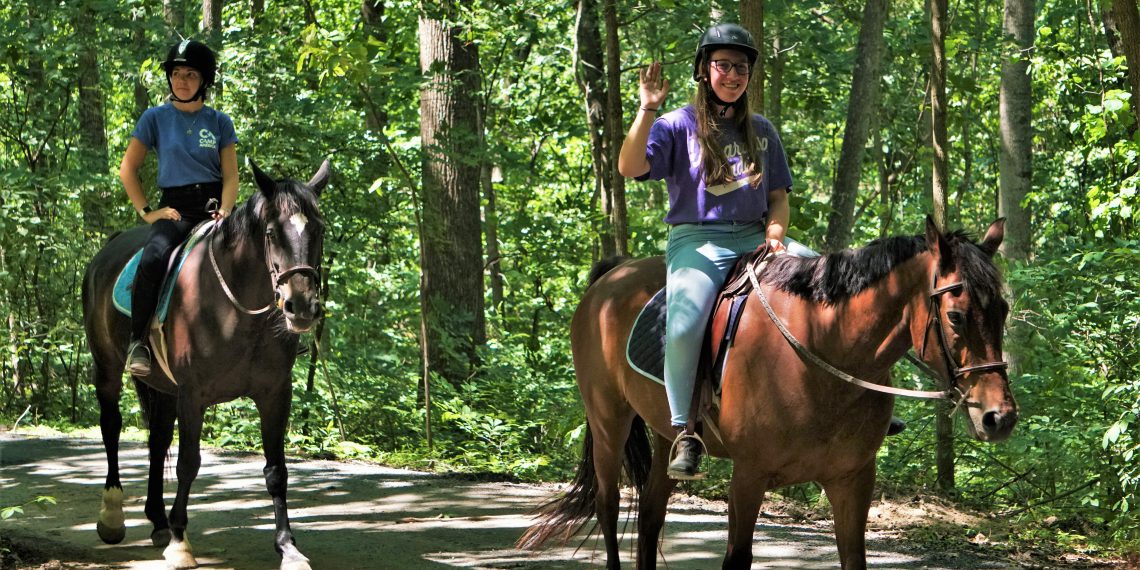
[
  {"x": 652, "y": 505},
  {"x": 608, "y": 446},
  {"x": 159, "y": 409},
  {"x": 111, "y": 526},
  {"x": 178, "y": 553}
]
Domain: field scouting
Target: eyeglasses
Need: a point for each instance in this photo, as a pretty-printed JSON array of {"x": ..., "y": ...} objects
[
  {"x": 186, "y": 76},
  {"x": 724, "y": 65}
]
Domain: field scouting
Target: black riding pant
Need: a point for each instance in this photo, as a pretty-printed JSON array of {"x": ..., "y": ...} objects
[{"x": 194, "y": 203}]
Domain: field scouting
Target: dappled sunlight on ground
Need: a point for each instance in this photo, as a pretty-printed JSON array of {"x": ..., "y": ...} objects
[{"x": 360, "y": 516}]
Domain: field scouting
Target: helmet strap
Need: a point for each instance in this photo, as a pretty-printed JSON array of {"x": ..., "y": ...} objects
[{"x": 724, "y": 105}]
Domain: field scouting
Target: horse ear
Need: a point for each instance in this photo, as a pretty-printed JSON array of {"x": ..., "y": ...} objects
[
  {"x": 993, "y": 238},
  {"x": 938, "y": 245},
  {"x": 321, "y": 178},
  {"x": 266, "y": 184}
]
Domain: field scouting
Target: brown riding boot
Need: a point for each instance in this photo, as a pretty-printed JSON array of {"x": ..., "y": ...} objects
[{"x": 686, "y": 456}]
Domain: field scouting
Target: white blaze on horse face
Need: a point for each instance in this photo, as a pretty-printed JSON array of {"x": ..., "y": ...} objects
[{"x": 299, "y": 222}]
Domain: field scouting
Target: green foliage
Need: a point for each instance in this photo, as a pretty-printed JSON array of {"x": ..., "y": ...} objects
[{"x": 41, "y": 501}]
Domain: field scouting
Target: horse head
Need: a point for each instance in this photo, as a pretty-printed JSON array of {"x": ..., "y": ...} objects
[
  {"x": 961, "y": 336},
  {"x": 293, "y": 234}
]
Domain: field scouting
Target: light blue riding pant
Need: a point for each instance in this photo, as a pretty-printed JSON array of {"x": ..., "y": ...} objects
[{"x": 697, "y": 259}]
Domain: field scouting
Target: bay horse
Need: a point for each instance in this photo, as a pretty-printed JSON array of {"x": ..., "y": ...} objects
[
  {"x": 241, "y": 299},
  {"x": 781, "y": 419}
]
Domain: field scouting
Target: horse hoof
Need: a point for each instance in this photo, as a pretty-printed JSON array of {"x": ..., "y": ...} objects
[
  {"x": 110, "y": 535},
  {"x": 178, "y": 556},
  {"x": 301, "y": 564},
  {"x": 160, "y": 537}
]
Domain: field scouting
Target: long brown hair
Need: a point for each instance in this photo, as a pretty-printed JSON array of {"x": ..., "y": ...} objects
[{"x": 714, "y": 163}]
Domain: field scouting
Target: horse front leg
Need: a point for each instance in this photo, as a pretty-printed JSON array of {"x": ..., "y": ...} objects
[
  {"x": 850, "y": 500},
  {"x": 178, "y": 553},
  {"x": 745, "y": 495},
  {"x": 274, "y": 412},
  {"x": 160, "y": 413},
  {"x": 111, "y": 526},
  {"x": 653, "y": 504}
]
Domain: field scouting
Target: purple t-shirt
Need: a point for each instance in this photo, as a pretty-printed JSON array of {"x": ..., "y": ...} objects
[
  {"x": 188, "y": 144},
  {"x": 674, "y": 155}
]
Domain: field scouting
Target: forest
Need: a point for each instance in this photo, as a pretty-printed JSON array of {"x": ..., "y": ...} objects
[{"x": 473, "y": 147}]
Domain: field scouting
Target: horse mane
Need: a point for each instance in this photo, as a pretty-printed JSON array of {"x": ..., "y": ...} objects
[
  {"x": 248, "y": 220},
  {"x": 838, "y": 276}
]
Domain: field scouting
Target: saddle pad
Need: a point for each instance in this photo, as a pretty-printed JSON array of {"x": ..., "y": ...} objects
[
  {"x": 125, "y": 283},
  {"x": 645, "y": 348}
]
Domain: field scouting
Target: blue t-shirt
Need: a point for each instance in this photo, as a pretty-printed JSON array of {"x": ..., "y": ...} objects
[
  {"x": 188, "y": 144},
  {"x": 674, "y": 155}
]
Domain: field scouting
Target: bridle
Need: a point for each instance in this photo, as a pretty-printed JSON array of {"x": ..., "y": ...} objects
[
  {"x": 953, "y": 371},
  {"x": 277, "y": 278},
  {"x": 953, "y": 393}
]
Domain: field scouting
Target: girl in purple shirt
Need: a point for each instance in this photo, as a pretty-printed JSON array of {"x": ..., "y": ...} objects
[{"x": 728, "y": 182}]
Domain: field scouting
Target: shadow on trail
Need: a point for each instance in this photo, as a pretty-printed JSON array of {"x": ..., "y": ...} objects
[{"x": 356, "y": 516}]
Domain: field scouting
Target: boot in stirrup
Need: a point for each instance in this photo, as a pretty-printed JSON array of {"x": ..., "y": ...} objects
[
  {"x": 138, "y": 359},
  {"x": 686, "y": 456}
]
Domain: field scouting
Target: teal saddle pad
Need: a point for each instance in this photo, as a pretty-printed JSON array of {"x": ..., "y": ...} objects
[{"x": 125, "y": 283}]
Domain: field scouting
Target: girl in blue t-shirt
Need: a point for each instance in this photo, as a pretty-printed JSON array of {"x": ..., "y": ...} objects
[
  {"x": 728, "y": 182},
  {"x": 197, "y": 173}
]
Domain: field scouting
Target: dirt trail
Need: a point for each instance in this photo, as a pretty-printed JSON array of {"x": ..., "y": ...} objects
[{"x": 361, "y": 516}]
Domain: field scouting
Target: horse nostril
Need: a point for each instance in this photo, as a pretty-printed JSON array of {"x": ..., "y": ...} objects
[
  {"x": 289, "y": 306},
  {"x": 995, "y": 420}
]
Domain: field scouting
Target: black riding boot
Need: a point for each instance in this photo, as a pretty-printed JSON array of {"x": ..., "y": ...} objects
[{"x": 686, "y": 460}]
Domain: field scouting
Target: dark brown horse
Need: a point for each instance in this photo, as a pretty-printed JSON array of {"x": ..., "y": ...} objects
[
  {"x": 241, "y": 299},
  {"x": 780, "y": 419}
]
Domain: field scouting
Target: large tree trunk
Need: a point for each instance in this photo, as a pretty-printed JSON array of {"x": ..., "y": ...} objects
[
  {"x": 212, "y": 21},
  {"x": 92, "y": 129},
  {"x": 1016, "y": 113},
  {"x": 589, "y": 63},
  {"x": 1127, "y": 18},
  {"x": 616, "y": 213},
  {"x": 452, "y": 286},
  {"x": 752, "y": 18},
  {"x": 861, "y": 106},
  {"x": 174, "y": 17},
  {"x": 944, "y": 422}
]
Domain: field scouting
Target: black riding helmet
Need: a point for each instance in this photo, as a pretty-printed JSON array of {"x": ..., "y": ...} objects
[
  {"x": 195, "y": 54},
  {"x": 720, "y": 36}
]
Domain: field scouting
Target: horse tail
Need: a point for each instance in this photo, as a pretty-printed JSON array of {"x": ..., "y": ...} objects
[
  {"x": 604, "y": 266},
  {"x": 563, "y": 516}
]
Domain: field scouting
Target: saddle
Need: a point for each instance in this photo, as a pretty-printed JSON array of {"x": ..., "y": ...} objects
[
  {"x": 125, "y": 282},
  {"x": 645, "y": 349}
]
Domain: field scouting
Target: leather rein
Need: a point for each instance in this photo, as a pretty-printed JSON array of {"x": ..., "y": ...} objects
[
  {"x": 276, "y": 277},
  {"x": 953, "y": 394}
]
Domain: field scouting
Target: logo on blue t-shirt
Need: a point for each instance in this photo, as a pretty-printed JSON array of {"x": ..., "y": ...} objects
[{"x": 206, "y": 139}]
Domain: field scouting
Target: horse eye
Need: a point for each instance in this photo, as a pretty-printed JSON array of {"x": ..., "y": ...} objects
[{"x": 956, "y": 318}]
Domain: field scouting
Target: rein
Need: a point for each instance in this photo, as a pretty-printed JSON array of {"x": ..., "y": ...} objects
[{"x": 953, "y": 393}]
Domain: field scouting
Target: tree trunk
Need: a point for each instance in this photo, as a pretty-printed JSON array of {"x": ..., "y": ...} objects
[
  {"x": 619, "y": 220},
  {"x": 938, "y": 137},
  {"x": 589, "y": 63},
  {"x": 1127, "y": 17},
  {"x": 944, "y": 422},
  {"x": 138, "y": 42},
  {"x": 752, "y": 18},
  {"x": 776, "y": 88},
  {"x": 1016, "y": 114},
  {"x": 862, "y": 104},
  {"x": 174, "y": 17},
  {"x": 452, "y": 286},
  {"x": 93, "y": 152}
]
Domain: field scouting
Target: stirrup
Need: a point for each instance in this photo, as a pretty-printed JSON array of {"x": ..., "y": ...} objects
[
  {"x": 672, "y": 448},
  {"x": 138, "y": 368}
]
